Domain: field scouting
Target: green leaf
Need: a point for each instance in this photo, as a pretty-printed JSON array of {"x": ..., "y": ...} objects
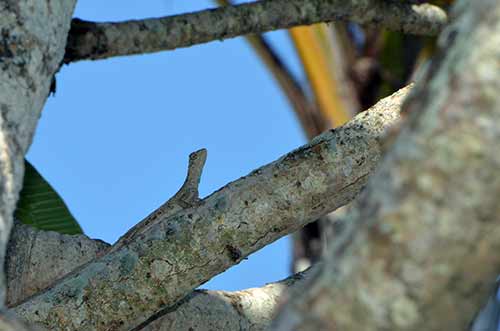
[{"x": 41, "y": 206}]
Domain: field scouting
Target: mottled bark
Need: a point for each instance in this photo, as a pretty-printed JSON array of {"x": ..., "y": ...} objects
[
  {"x": 46, "y": 256},
  {"x": 171, "y": 257},
  {"x": 89, "y": 40},
  {"x": 9, "y": 321},
  {"x": 419, "y": 250},
  {"x": 248, "y": 310},
  {"x": 35, "y": 259},
  {"x": 33, "y": 39}
]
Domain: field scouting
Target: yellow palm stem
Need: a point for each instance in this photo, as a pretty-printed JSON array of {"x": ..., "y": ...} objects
[{"x": 317, "y": 68}]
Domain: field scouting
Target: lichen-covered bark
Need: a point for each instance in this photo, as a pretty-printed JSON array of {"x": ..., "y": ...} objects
[
  {"x": 170, "y": 258},
  {"x": 420, "y": 249},
  {"x": 33, "y": 38},
  {"x": 37, "y": 258},
  {"x": 89, "y": 40},
  {"x": 9, "y": 322},
  {"x": 248, "y": 310}
]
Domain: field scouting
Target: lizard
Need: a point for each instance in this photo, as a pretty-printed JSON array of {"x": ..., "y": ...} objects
[{"x": 186, "y": 197}]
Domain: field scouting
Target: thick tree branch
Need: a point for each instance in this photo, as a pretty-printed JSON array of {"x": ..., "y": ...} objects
[
  {"x": 38, "y": 258},
  {"x": 35, "y": 259},
  {"x": 420, "y": 249},
  {"x": 166, "y": 260},
  {"x": 248, "y": 310},
  {"x": 9, "y": 321},
  {"x": 28, "y": 268},
  {"x": 33, "y": 38},
  {"x": 89, "y": 40}
]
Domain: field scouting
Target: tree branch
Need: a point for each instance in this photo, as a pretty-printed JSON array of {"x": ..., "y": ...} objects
[
  {"x": 89, "y": 40},
  {"x": 35, "y": 259},
  {"x": 33, "y": 38},
  {"x": 420, "y": 249},
  {"x": 248, "y": 310},
  {"x": 38, "y": 258},
  {"x": 166, "y": 260}
]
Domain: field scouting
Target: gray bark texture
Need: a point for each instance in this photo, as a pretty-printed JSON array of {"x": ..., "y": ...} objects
[
  {"x": 89, "y": 40},
  {"x": 35, "y": 259},
  {"x": 419, "y": 250},
  {"x": 38, "y": 258},
  {"x": 164, "y": 260},
  {"x": 33, "y": 39},
  {"x": 248, "y": 310}
]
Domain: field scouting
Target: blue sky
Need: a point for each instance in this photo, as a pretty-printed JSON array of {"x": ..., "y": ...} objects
[{"x": 115, "y": 139}]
